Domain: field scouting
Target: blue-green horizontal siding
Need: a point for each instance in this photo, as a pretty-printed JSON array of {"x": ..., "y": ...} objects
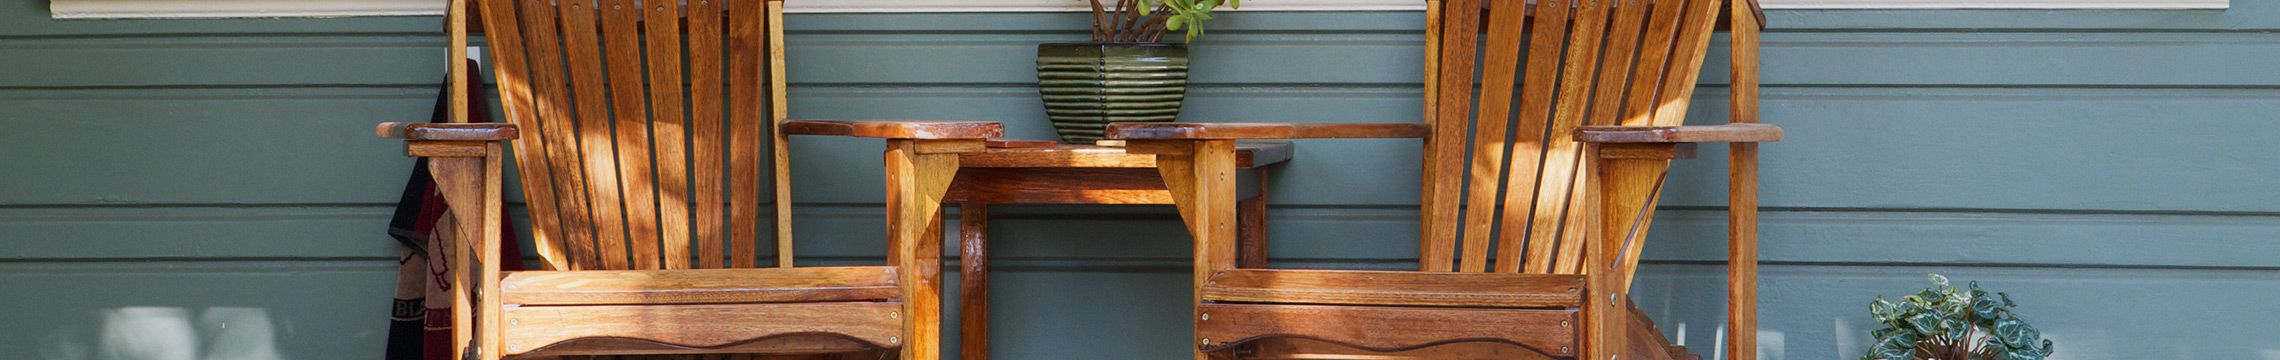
[{"x": 2108, "y": 168}]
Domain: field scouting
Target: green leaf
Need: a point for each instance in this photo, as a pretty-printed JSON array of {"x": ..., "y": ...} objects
[
  {"x": 2014, "y": 333},
  {"x": 1984, "y": 307},
  {"x": 1925, "y": 323},
  {"x": 1939, "y": 280}
]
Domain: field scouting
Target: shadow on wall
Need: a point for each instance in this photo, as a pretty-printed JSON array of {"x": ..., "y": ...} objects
[{"x": 169, "y": 333}]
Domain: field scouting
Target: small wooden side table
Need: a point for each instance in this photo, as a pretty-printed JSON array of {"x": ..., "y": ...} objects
[{"x": 1039, "y": 172}]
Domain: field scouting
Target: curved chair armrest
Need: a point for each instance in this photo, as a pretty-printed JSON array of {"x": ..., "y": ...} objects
[
  {"x": 897, "y": 129},
  {"x": 448, "y": 131},
  {"x": 1743, "y": 132},
  {"x": 1222, "y": 131}
]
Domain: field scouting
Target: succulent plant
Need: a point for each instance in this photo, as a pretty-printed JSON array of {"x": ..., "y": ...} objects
[
  {"x": 1148, "y": 20},
  {"x": 1949, "y": 323}
]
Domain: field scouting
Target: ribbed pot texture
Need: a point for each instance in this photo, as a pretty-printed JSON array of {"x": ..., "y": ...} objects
[{"x": 1088, "y": 85}]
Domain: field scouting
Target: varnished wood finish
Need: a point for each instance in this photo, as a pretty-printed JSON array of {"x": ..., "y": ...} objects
[
  {"x": 1251, "y": 224},
  {"x": 702, "y": 286},
  {"x": 1019, "y": 143},
  {"x": 447, "y": 149},
  {"x": 897, "y": 129},
  {"x": 662, "y": 40},
  {"x": 448, "y": 131},
  {"x": 1742, "y": 191},
  {"x": 1247, "y": 155},
  {"x": 705, "y": 127},
  {"x": 796, "y": 346},
  {"x": 915, "y": 186},
  {"x": 702, "y": 326},
  {"x": 1385, "y": 328},
  {"x": 1167, "y": 131},
  {"x": 1594, "y": 98},
  {"x": 1078, "y": 174},
  {"x": 1406, "y": 288},
  {"x": 1734, "y": 133},
  {"x": 1645, "y": 340},
  {"x": 781, "y": 140},
  {"x": 748, "y": 116},
  {"x": 973, "y": 281},
  {"x": 624, "y": 171},
  {"x": 511, "y": 71},
  {"x": 1308, "y": 349}
]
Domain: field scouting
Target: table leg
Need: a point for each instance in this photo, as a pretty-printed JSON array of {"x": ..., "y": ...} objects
[
  {"x": 1251, "y": 235},
  {"x": 973, "y": 281},
  {"x": 1251, "y": 227}
]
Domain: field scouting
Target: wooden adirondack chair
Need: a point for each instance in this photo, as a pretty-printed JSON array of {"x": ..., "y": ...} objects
[
  {"x": 1564, "y": 201},
  {"x": 649, "y": 247}
]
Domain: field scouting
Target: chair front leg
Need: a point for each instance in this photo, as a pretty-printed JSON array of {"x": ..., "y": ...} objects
[
  {"x": 1201, "y": 177},
  {"x": 918, "y": 175},
  {"x": 467, "y": 173},
  {"x": 1625, "y": 181}
]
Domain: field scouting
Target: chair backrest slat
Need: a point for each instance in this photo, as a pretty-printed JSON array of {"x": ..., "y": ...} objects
[
  {"x": 514, "y": 83},
  {"x": 589, "y": 88},
  {"x": 543, "y": 51},
  {"x": 642, "y": 126},
  {"x": 1614, "y": 76},
  {"x": 1499, "y": 70},
  {"x": 1430, "y": 247},
  {"x": 1523, "y": 186},
  {"x": 662, "y": 25},
  {"x": 621, "y": 50},
  {"x": 1549, "y": 211},
  {"x": 747, "y": 37},
  {"x": 705, "y": 131},
  {"x": 1691, "y": 47},
  {"x": 1453, "y": 105}
]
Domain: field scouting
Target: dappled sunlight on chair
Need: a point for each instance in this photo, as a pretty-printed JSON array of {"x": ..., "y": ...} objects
[
  {"x": 1536, "y": 206},
  {"x": 644, "y": 185}
]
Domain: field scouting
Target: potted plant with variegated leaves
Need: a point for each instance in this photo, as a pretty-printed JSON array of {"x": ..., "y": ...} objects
[
  {"x": 1128, "y": 72},
  {"x": 1949, "y": 323}
]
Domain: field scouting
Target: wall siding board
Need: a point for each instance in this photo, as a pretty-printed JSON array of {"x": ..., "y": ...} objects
[
  {"x": 1916, "y": 137},
  {"x": 2084, "y": 161}
]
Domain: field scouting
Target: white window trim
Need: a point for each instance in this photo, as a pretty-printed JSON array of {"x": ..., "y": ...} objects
[{"x": 122, "y": 9}]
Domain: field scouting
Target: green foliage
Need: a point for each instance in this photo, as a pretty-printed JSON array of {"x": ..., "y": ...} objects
[
  {"x": 1950, "y": 323},
  {"x": 1188, "y": 14}
]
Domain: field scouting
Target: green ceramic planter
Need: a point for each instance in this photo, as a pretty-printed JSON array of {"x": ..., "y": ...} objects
[{"x": 1088, "y": 85}]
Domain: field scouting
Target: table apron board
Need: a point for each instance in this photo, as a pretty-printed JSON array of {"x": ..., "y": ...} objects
[{"x": 1073, "y": 186}]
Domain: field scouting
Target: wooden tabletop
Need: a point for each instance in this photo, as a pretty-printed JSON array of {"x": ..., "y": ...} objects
[{"x": 1247, "y": 155}]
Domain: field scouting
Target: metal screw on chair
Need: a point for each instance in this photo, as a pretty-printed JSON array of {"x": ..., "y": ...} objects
[
  {"x": 617, "y": 6},
  {"x": 514, "y": 321},
  {"x": 660, "y": 8},
  {"x": 894, "y": 340},
  {"x": 1206, "y": 317},
  {"x": 1563, "y": 323},
  {"x": 1563, "y": 349},
  {"x": 1206, "y": 341},
  {"x": 894, "y": 315}
]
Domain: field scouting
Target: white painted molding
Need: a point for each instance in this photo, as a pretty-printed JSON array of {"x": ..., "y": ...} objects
[{"x": 118, "y": 9}]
